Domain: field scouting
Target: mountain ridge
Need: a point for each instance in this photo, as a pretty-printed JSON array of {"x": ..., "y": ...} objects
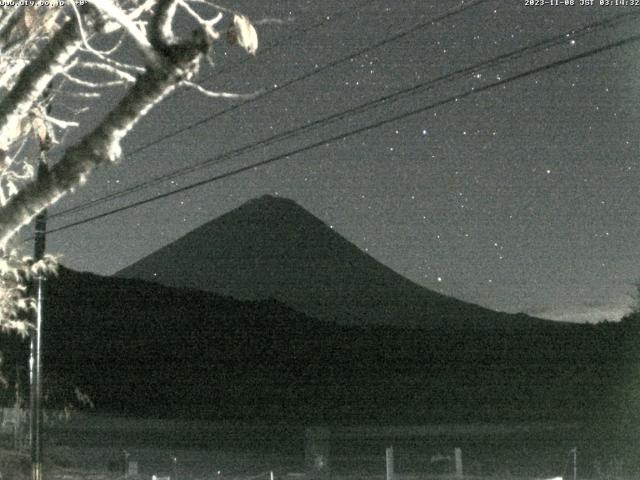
[
  {"x": 141, "y": 348},
  {"x": 271, "y": 247}
]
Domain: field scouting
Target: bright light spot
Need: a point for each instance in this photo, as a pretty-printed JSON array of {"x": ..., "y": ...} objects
[{"x": 440, "y": 279}]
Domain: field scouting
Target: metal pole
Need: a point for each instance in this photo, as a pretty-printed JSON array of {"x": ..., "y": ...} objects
[
  {"x": 35, "y": 358},
  {"x": 390, "y": 467},
  {"x": 458, "y": 459},
  {"x": 36, "y": 447}
]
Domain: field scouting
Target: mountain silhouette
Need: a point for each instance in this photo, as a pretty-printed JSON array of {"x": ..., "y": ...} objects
[
  {"x": 141, "y": 348},
  {"x": 271, "y": 247}
]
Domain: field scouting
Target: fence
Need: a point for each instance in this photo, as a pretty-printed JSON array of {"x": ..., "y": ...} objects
[
  {"x": 13, "y": 424},
  {"x": 540, "y": 451}
]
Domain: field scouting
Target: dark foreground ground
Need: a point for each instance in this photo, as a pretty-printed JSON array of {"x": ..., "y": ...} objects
[{"x": 96, "y": 447}]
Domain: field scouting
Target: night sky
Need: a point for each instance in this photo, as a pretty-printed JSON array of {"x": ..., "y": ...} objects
[{"x": 520, "y": 197}]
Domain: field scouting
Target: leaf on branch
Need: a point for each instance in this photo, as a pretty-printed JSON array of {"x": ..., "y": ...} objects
[
  {"x": 243, "y": 34},
  {"x": 11, "y": 188},
  {"x": 16, "y": 128},
  {"x": 40, "y": 129},
  {"x": 22, "y": 328},
  {"x": 35, "y": 22},
  {"x": 39, "y": 268},
  {"x": 29, "y": 18}
]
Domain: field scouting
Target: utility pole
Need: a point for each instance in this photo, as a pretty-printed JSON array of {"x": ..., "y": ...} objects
[{"x": 35, "y": 357}]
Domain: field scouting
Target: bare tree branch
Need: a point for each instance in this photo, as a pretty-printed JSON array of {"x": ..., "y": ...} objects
[
  {"x": 213, "y": 94},
  {"x": 8, "y": 23},
  {"x": 103, "y": 144},
  {"x": 35, "y": 77},
  {"x": 116, "y": 13},
  {"x": 161, "y": 31},
  {"x": 46, "y": 56}
]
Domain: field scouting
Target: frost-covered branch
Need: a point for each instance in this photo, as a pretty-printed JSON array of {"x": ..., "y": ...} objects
[
  {"x": 161, "y": 28},
  {"x": 34, "y": 78},
  {"x": 102, "y": 145},
  {"x": 8, "y": 23},
  {"x": 116, "y": 71},
  {"x": 213, "y": 94},
  {"x": 208, "y": 25},
  {"x": 48, "y": 60},
  {"x": 89, "y": 84},
  {"x": 112, "y": 11}
]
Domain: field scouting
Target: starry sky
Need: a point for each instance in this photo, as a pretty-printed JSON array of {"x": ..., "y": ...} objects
[{"x": 521, "y": 197}]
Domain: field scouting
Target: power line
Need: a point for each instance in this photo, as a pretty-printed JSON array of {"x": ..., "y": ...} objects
[
  {"x": 358, "y": 130},
  {"x": 326, "y": 120},
  {"x": 310, "y": 74},
  {"x": 316, "y": 71},
  {"x": 224, "y": 70}
]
